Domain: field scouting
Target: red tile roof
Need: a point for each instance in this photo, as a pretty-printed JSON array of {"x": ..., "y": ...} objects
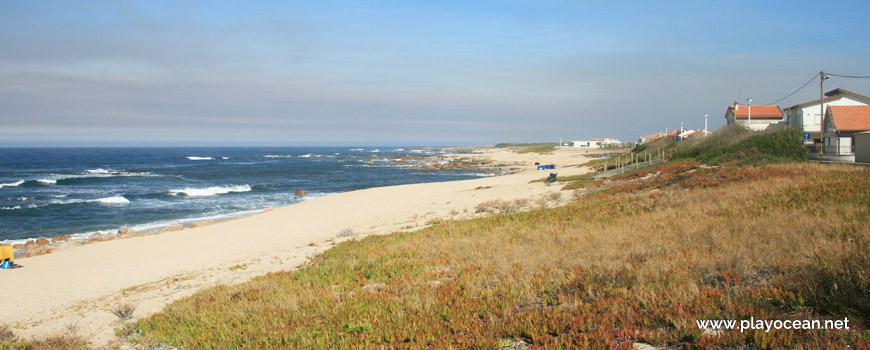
[
  {"x": 760, "y": 112},
  {"x": 850, "y": 118},
  {"x": 832, "y": 95},
  {"x": 674, "y": 133}
]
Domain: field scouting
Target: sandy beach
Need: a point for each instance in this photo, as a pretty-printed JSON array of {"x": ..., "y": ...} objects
[{"x": 79, "y": 286}]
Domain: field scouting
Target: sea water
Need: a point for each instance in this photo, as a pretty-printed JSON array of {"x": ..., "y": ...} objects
[{"x": 46, "y": 192}]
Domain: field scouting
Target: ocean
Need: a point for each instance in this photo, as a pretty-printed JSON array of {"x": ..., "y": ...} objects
[{"x": 47, "y": 192}]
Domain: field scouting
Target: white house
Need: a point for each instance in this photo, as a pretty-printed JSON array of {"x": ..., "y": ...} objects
[
  {"x": 841, "y": 125},
  {"x": 754, "y": 117},
  {"x": 597, "y": 143},
  {"x": 808, "y": 115}
]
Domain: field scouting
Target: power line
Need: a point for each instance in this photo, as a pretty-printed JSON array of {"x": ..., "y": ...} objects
[
  {"x": 849, "y": 76},
  {"x": 799, "y": 89}
]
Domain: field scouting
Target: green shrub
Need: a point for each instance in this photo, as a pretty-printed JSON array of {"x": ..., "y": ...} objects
[{"x": 745, "y": 147}]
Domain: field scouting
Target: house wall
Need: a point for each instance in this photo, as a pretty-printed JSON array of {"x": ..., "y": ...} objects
[
  {"x": 584, "y": 144},
  {"x": 862, "y": 147}
]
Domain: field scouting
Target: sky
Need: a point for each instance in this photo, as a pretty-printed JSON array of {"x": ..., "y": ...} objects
[{"x": 318, "y": 73}]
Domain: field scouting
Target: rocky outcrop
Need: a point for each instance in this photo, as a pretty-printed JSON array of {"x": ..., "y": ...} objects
[
  {"x": 202, "y": 223},
  {"x": 34, "y": 250},
  {"x": 126, "y": 232},
  {"x": 170, "y": 228}
]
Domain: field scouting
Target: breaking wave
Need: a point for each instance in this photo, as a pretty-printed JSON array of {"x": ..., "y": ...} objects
[
  {"x": 209, "y": 191},
  {"x": 12, "y": 184},
  {"x": 104, "y": 200},
  {"x": 199, "y": 158}
]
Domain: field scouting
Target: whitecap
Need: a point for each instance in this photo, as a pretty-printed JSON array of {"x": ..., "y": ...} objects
[
  {"x": 199, "y": 158},
  {"x": 99, "y": 171},
  {"x": 58, "y": 195},
  {"x": 12, "y": 184},
  {"x": 309, "y": 155},
  {"x": 47, "y": 181},
  {"x": 209, "y": 191},
  {"x": 375, "y": 151},
  {"x": 275, "y": 156},
  {"x": 104, "y": 200},
  {"x": 11, "y": 208},
  {"x": 357, "y": 149},
  {"x": 111, "y": 200}
]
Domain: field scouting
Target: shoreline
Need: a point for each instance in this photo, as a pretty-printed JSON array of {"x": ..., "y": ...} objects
[
  {"x": 443, "y": 161},
  {"x": 82, "y": 284}
]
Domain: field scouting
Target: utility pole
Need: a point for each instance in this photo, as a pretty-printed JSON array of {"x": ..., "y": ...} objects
[{"x": 822, "y": 112}]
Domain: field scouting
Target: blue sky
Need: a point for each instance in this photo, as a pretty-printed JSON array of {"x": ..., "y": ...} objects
[{"x": 185, "y": 73}]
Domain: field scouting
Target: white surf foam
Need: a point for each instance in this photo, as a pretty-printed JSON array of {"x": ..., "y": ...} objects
[
  {"x": 275, "y": 156},
  {"x": 112, "y": 200},
  {"x": 11, "y": 208},
  {"x": 209, "y": 191},
  {"x": 200, "y": 158},
  {"x": 12, "y": 184},
  {"x": 47, "y": 181},
  {"x": 357, "y": 149},
  {"x": 104, "y": 200}
]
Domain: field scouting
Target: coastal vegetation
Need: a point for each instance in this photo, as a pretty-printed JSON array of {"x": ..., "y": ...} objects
[{"x": 734, "y": 229}]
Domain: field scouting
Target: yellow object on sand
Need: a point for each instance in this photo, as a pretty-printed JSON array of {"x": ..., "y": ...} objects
[{"x": 6, "y": 251}]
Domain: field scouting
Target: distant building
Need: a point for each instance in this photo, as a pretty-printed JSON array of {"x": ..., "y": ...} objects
[
  {"x": 842, "y": 123},
  {"x": 647, "y": 138},
  {"x": 597, "y": 143},
  {"x": 809, "y": 116},
  {"x": 754, "y": 117}
]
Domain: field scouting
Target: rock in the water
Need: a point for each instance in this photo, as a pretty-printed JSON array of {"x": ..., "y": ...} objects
[
  {"x": 175, "y": 227},
  {"x": 42, "y": 241},
  {"x": 202, "y": 223},
  {"x": 126, "y": 231},
  {"x": 301, "y": 192}
]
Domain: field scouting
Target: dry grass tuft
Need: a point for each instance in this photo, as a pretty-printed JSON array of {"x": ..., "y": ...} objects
[
  {"x": 6, "y": 334},
  {"x": 124, "y": 311}
]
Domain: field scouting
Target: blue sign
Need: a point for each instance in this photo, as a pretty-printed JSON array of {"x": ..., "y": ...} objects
[{"x": 806, "y": 136}]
